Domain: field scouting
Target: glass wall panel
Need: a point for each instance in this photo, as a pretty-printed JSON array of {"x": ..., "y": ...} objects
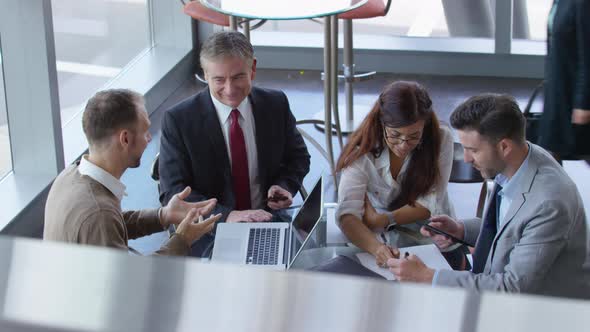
[
  {"x": 411, "y": 18},
  {"x": 530, "y": 26},
  {"x": 533, "y": 13},
  {"x": 94, "y": 41},
  {"x": 5, "y": 154}
]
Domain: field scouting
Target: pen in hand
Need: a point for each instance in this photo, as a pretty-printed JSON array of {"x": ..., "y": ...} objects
[
  {"x": 384, "y": 238},
  {"x": 385, "y": 243}
]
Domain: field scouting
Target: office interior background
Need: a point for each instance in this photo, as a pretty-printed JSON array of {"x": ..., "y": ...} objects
[{"x": 55, "y": 54}]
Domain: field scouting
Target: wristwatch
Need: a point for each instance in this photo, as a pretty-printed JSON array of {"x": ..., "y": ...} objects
[{"x": 391, "y": 221}]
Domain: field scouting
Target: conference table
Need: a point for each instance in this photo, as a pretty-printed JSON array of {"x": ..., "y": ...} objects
[
  {"x": 298, "y": 10},
  {"x": 52, "y": 286}
]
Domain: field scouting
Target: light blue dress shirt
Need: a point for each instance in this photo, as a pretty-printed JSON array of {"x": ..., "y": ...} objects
[{"x": 509, "y": 189}]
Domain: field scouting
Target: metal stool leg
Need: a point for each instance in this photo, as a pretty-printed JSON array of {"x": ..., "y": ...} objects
[
  {"x": 247, "y": 29},
  {"x": 327, "y": 93},
  {"x": 334, "y": 78},
  {"x": 233, "y": 23},
  {"x": 349, "y": 121},
  {"x": 348, "y": 67}
]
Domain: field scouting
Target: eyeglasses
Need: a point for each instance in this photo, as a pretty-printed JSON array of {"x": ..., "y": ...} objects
[{"x": 398, "y": 140}]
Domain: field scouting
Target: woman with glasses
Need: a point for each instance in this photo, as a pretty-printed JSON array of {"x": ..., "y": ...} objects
[{"x": 394, "y": 169}]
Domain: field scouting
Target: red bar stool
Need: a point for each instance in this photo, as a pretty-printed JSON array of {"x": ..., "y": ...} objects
[
  {"x": 373, "y": 8},
  {"x": 199, "y": 12}
]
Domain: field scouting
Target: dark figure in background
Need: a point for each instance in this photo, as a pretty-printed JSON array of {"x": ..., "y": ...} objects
[{"x": 565, "y": 125}]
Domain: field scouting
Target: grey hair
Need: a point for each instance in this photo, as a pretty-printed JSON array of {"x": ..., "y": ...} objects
[{"x": 226, "y": 44}]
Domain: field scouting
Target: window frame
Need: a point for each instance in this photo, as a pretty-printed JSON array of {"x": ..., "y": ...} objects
[
  {"x": 39, "y": 149},
  {"x": 501, "y": 56}
]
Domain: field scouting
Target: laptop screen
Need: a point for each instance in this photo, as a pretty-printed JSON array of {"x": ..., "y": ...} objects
[{"x": 306, "y": 219}]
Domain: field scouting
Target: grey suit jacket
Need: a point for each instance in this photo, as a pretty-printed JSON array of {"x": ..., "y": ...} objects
[{"x": 542, "y": 245}]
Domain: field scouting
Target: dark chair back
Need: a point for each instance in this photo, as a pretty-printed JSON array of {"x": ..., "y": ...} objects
[
  {"x": 462, "y": 172},
  {"x": 155, "y": 171}
]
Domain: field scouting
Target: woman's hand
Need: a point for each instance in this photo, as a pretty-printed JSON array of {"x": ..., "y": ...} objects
[
  {"x": 383, "y": 253},
  {"x": 371, "y": 218}
]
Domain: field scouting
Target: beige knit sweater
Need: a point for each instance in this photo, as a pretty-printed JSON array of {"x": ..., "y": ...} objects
[{"x": 81, "y": 210}]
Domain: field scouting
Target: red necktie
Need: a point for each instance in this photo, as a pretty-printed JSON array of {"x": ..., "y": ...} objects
[{"x": 239, "y": 167}]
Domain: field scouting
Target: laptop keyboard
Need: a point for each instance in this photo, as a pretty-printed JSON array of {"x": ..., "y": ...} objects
[{"x": 263, "y": 246}]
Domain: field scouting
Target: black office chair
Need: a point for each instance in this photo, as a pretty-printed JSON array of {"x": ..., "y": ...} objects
[
  {"x": 155, "y": 171},
  {"x": 155, "y": 175},
  {"x": 462, "y": 172}
]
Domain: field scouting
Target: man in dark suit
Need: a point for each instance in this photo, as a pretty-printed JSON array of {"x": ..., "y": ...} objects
[{"x": 232, "y": 141}]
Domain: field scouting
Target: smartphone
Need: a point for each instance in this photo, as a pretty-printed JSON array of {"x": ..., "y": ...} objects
[
  {"x": 277, "y": 198},
  {"x": 441, "y": 232}
]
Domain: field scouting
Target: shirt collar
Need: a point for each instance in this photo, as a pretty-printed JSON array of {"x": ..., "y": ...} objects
[
  {"x": 103, "y": 177},
  {"x": 223, "y": 111},
  {"x": 508, "y": 186},
  {"x": 383, "y": 160}
]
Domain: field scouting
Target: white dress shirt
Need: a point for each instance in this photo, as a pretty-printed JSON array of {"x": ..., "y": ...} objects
[
  {"x": 246, "y": 120},
  {"x": 371, "y": 176},
  {"x": 103, "y": 177}
]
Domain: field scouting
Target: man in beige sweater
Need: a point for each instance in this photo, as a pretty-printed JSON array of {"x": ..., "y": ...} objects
[{"x": 84, "y": 203}]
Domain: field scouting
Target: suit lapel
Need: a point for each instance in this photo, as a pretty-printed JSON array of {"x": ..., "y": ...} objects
[
  {"x": 263, "y": 136},
  {"x": 524, "y": 187}
]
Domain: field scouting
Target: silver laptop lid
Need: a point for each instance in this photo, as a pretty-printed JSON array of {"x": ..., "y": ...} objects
[{"x": 306, "y": 220}]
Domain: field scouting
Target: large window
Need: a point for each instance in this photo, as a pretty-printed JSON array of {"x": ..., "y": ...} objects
[
  {"x": 440, "y": 18},
  {"x": 94, "y": 41},
  {"x": 536, "y": 13},
  {"x": 531, "y": 39},
  {"x": 5, "y": 155},
  {"x": 55, "y": 55},
  {"x": 405, "y": 18}
]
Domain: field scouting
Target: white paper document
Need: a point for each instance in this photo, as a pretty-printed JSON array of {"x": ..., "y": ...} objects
[
  {"x": 429, "y": 254},
  {"x": 368, "y": 261}
]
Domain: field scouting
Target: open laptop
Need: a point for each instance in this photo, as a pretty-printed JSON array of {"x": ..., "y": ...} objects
[{"x": 269, "y": 244}]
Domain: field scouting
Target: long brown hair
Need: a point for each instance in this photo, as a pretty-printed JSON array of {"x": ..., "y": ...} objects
[{"x": 400, "y": 104}]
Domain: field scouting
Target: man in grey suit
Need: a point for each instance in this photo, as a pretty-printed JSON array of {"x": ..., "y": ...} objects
[{"x": 533, "y": 238}]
